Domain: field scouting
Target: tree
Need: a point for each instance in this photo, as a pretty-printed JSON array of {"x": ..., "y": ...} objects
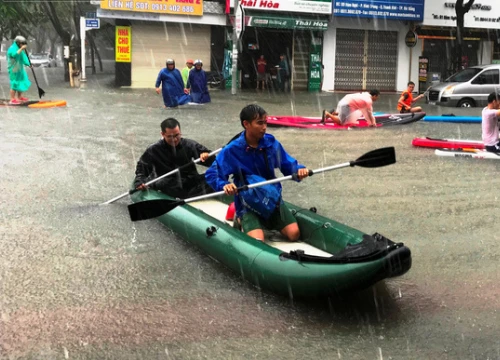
[
  {"x": 460, "y": 10},
  {"x": 13, "y": 18}
]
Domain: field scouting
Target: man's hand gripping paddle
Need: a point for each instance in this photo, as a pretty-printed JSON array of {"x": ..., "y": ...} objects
[{"x": 159, "y": 178}]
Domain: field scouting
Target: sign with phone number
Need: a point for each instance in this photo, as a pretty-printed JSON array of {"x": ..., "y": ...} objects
[{"x": 175, "y": 7}]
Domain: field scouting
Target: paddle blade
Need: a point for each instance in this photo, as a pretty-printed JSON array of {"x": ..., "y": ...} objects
[
  {"x": 41, "y": 92},
  {"x": 145, "y": 210},
  {"x": 376, "y": 158}
]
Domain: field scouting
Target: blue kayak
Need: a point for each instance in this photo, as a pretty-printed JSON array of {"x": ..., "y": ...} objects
[{"x": 452, "y": 118}]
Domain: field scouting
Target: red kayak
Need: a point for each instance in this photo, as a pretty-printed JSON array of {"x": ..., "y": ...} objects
[
  {"x": 316, "y": 123},
  {"x": 447, "y": 143}
]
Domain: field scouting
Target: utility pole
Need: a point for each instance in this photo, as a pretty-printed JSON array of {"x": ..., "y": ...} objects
[
  {"x": 238, "y": 26},
  {"x": 85, "y": 25}
]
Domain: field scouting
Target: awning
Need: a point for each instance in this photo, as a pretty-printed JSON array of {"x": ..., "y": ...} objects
[
  {"x": 434, "y": 32},
  {"x": 284, "y": 22}
]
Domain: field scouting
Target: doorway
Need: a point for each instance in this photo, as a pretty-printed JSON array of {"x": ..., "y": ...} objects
[{"x": 262, "y": 41}]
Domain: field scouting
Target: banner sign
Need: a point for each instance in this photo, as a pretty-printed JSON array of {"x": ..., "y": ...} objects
[
  {"x": 282, "y": 22},
  {"x": 484, "y": 14},
  {"x": 174, "y": 7},
  {"x": 387, "y": 9},
  {"x": 302, "y": 6},
  {"x": 315, "y": 67},
  {"x": 240, "y": 21},
  {"x": 287, "y": 23},
  {"x": 123, "y": 46}
]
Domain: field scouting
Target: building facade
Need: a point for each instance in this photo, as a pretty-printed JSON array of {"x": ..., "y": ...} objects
[
  {"x": 366, "y": 45},
  {"x": 365, "y": 48},
  {"x": 437, "y": 34},
  {"x": 347, "y": 45},
  {"x": 292, "y": 28},
  {"x": 162, "y": 29}
]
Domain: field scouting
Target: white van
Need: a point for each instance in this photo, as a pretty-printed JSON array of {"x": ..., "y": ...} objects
[{"x": 467, "y": 88}]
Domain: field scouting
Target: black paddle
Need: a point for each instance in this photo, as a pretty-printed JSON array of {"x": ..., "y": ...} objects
[
  {"x": 130, "y": 192},
  {"x": 153, "y": 208},
  {"x": 40, "y": 90}
]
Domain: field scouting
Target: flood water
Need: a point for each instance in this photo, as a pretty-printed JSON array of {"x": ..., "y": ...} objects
[{"x": 78, "y": 280}]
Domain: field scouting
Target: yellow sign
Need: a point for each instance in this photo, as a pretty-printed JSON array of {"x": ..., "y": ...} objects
[
  {"x": 177, "y": 7},
  {"x": 123, "y": 47}
]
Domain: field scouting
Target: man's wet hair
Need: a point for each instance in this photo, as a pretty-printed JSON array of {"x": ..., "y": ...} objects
[
  {"x": 493, "y": 96},
  {"x": 169, "y": 123},
  {"x": 374, "y": 92},
  {"x": 251, "y": 112}
]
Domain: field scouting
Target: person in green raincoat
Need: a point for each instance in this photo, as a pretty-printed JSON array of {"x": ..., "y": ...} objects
[
  {"x": 186, "y": 70},
  {"x": 16, "y": 60}
]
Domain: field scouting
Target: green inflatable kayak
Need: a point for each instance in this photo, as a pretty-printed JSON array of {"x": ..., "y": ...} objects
[{"x": 330, "y": 258}]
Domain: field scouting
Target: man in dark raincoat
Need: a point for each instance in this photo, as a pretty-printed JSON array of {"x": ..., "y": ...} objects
[
  {"x": 172, "y": 86},
  {"x": 16, "y": 60},
  {"x": 283, "y": 73},
  {"x": 172, "y": 152},
  {"x": 197, "y": 83}
]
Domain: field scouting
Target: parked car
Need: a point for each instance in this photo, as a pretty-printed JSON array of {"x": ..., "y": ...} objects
[
  {"x": 43, "y": 60},
  {"x": 467, "y": 88}
]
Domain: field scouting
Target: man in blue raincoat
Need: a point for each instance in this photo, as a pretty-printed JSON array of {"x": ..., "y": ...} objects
[
  {"x": 197, "y": 83},
  {"x": 252, "y": 158},
  {"x": 16, "y": 60},
  {"x": 172, "y": 86}
]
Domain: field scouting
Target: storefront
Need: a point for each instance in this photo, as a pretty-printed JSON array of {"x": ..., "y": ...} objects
[
  {"x": 160, "y": 30},
  {"x": 365, "y": 47},
  {"x": 437, "y": 35},
  {"x": 294, "y": 29},
  {"x": 496, "y": 48}
]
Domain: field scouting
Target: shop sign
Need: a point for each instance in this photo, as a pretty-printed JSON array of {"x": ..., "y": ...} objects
[
  {"x": 174, "y": 7},
  {"x": 287, "y": 23},
  {"x": 240, "y": 21},
  {"x": 411, "y": 39},
  {"x": 423, "y": 68},
  {"x": 386, "y": 9},
  {"x": 302, "y": 6},
  {"x": 123, "y": 46},
  {"x": 315, "y": 68},
  {"x": 483, "y": 14}
]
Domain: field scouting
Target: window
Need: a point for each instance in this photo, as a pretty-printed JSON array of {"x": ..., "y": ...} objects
[
  {"x": 490, "y": 77},
  {"x": 464, "y": 75}
]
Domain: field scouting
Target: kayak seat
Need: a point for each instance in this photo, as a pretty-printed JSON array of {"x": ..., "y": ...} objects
[{"x": 219, "y": 210}]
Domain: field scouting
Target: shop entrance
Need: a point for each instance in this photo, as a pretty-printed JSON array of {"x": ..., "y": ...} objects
[
  {"x": 442, "y": 58},
  {"x": 262, "y": 41}
]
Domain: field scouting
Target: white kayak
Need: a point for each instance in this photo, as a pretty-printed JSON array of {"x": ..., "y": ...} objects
[{"x": 468, "y": 153}]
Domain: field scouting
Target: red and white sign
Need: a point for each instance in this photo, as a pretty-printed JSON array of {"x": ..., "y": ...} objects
[
  {"x": 240, "y": 21},
  {"x": 484, "y": 14}
]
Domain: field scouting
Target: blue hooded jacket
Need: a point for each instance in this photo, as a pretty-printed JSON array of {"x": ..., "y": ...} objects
[
  {"x": 197, "y": 82},
  {"x": 239, "y": 159},
  {"x": 172, "y": 87}
]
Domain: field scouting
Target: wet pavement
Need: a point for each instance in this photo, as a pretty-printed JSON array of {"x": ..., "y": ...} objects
[{"x": 80, "y": 281}]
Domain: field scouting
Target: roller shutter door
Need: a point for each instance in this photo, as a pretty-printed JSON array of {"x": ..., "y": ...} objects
[
  {"x": 154, "y": 42},
  {"x": 382, "y": 60},
  {"x": 366, "y": 60},
  {"x": 349, "y": 59}
]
